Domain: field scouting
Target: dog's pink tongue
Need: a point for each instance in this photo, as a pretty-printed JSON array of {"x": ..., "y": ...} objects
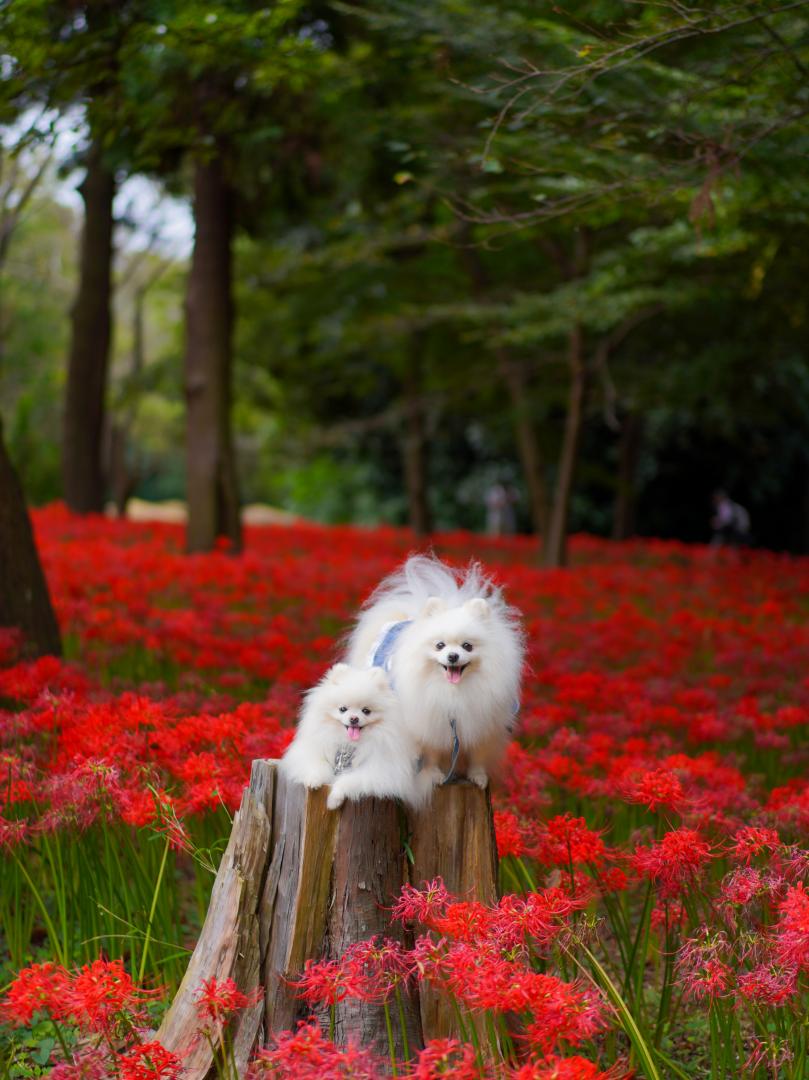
[
  {"x": 454, "y": 676},
  {"x": 353, "y": 733}
]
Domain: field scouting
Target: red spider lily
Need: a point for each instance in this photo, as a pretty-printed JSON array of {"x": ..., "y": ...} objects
[
  {"x": 655, "y": 789},
  {"x": 306, "y": 1055},
  {"x": 773, "y": 1054},
  {"x": 423, "y": 905},
  {"x": 750, "y": 841},
  {"x": 12, "y": 833},
  {"x": 565, "y": 841},
  {"x": 149, "y": 1061},
  {"x": 768, "y": 984},
  {"x": 744, "y": 884},
  {"x": 327, "y": 982},
  {"x": 101, "y": 994},
  {"x": 38, "y": 988},
  {"x": 702, "y": 964},
  {"x": 510, "y": 834},
  {"x": 675, "y": 861},
  {"x": 713, "y": 979},
  {"x": 537, "y": 918},
  {"x": 218, "y": 1000},
  {"x": 375, "y": 968},
  {"x": 88, "y": 1064},
  {"x": 568, "y": 1068},
  {"x": 446, "y": 1057},
  {"x": 791, "y": 934}
]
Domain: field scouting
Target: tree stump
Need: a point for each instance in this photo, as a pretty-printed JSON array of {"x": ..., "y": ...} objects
[{"x": 298, "y": 882}]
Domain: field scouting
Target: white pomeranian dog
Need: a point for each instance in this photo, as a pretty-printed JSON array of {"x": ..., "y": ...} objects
[
  {"x": 350, "y": 736},
  {"x": 453, "y": 649}
]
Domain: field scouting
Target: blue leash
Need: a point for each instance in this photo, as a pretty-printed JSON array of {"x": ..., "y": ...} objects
[{"x": 456, "y": 749}]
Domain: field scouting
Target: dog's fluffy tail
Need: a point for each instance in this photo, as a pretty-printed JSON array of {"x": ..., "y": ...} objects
[{"x": 423, "y": 576}]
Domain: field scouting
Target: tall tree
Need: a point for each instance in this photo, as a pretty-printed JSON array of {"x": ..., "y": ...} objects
[
  {"x": 80, "y": 73},
  {"x": 91, "y": 330},
  {"x": 207, "y": 87},
  {"x": 25, "y": 604},
  {"x": 211, "y": 481}
]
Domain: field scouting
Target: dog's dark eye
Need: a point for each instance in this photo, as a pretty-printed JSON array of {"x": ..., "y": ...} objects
[
  {"x": 366, "y": 712},
  {"x": 468, "y": 646},
  {"x": 439, "y": 645},
  {"x": 344, "y": 708}
]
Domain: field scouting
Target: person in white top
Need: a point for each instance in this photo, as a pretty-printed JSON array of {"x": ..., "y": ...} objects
[{"x": 730, "y": 522}]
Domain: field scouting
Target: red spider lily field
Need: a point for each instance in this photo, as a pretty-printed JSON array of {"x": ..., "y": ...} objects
[{"x": 652, "y": 820}]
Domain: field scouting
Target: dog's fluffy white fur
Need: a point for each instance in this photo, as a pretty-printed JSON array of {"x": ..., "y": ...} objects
[
  {"x": 459, "y": 658},
  {"x": 353, "y": 712}
]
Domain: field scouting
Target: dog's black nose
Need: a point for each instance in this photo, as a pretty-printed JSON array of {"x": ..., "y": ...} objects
[
  {"x": 354, "y": 721},
  {"x": 453, "y": 657}
]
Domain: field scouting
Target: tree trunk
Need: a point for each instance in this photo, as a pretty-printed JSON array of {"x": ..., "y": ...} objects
[
  {"x": 299, "y": 881},
  {"x": 414, "y": 450},
  {"x": 82, "y": 447},
  {"x": 623, "y": 521},
  {"x": 212, "y": 486},
  {"x": 527, "y": 443},
  {"x": 555, "y": 548},
  {"x": 24, "y": 601}
]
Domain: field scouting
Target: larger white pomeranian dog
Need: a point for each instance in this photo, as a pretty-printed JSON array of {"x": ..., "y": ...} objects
[
  {"x": 350, "y": 736},
  {"x": 454, "y": 651}
]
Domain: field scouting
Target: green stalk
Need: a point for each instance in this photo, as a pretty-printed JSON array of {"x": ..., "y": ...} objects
[
  {"x": 60, "y": 1037},
  {"x": 57, "y": 945},
  {"x": 631, "y": 1029},
  {"x": 645, "y": 914},
  {"x": 391, "y": 1046},
  {"x": 715, "y": 1073},
  {"x": 145, "y": 953},
  {"x": 402, "y": 1024},
  {"x": 666, "y": 990}
]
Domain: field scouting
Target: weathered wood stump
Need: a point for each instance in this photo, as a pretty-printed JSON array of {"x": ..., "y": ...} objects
[{"x": 298, "y": 881}]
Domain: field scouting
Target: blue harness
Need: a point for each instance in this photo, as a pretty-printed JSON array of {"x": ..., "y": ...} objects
[{"x": 383, "y": 653}]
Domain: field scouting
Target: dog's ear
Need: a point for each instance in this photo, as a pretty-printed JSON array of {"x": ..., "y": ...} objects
[
  {"x": 478, "y": 607},
  {"x": 379, "y": 678},
  {"x": 336, "y": 674},
  {"x": 432, "y": 606}
]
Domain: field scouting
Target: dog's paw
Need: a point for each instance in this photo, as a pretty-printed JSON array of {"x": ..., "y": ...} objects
[
  {"x": 317, "y": 778},
  {"x": 479, "y": 776},
  {"x": 433, "y": 775},
  {"x": 336, "y": 798}
]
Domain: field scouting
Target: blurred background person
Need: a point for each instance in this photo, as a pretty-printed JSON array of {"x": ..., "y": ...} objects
[
  {"x": 500, "y": 519},
  {"x": 730, "y": 523}
]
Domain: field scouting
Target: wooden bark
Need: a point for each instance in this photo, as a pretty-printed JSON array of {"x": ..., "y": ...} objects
[
  {"x": 555, "y": 549},
  {"x": 300, "y": 882},
  {"x": 623, "y": 522},
  {"x": 91, "y": 327},
  {"x": 369, "y": 871},
  {"x": 533, "y": 467},
  {"x": 229, "y": 945},
  {"x": 211, "y": 481},
  {"x": 454, "y": 839},
  {"x": 25, "y": 603},
  {"x": 414, "y": 448},
  {"x": 296, "y": 897}
]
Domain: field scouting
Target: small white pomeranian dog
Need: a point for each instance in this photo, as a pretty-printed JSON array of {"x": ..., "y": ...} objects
[
  {"x": 453, "y": 649},
  {"x": 350, "y": 736}
]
